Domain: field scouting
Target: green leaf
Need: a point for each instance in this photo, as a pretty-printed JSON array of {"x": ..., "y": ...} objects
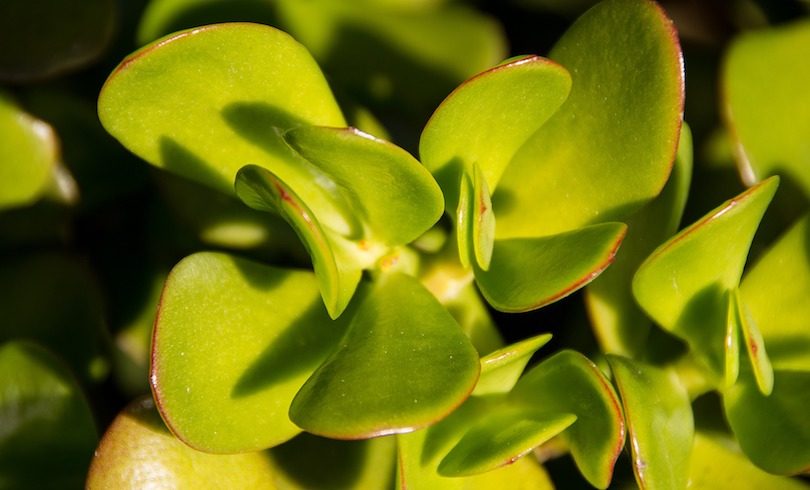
[
  {"x": 137, "y": 451},
  {"x": 500, "y": 439},
  {"x": 52, "y": 298},
  {"x": 205, "y": 102},
  {"x": 360, "y": 465},
  {"x": 403, "y": 364},
  {"x": 486, "y": 119},
  {"x": 659, "y": 423},
  {"x": 39, "y": 43},
  {"x": 390, "y": 192},
  {"x": 716, "y": 465},
  {"x": 483, "y": 220},
  {"x": 620, "y": 325},
  {"x": 568, "y": 382},
  {"x": 48, "y": 432},
  {"x": 731, "y": 341},
  {"x": 766, "y": 104},
  {"x": 337, "y": 268},
  {"x": 754, "y": 346},
  {"x": 775, "y": 292},
  {"x": 234, "y": 339},
  {"x": 772, "y": 430},
  {"x": 610, "y": 147},
  {"x": 527, "y": 273},
  {"x": 29, "y": 151},
  {"x": 683, "y": 285},
  {"x": 501, "y": 369}
]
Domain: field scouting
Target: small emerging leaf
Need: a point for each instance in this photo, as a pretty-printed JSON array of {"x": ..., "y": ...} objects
[
  {"x": 501, "y": 369},
  {"x": 403, "y": 364},
  {"x": 755, "y": 346}
]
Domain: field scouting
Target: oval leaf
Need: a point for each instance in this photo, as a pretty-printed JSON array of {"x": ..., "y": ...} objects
[
  {"x": 568, "y": 382},
  {"x": 403, "y": 364},
  {"x": 48, "y": 433},
  {"x": 137, "y": 451},
  {"x": 394, "y": 195},
  {"x": 683, "y": 285},
  {"x": 761, "y": 71},
  {"x": 338, "y": 272},
  {"x": 500, "y": 439},
  {"x": 486, "y": 119},
  {"x": 610, "y": 147},
  {"x": 205, "y": 102},
  {"x": 659, "y": 423},
  {"x": 527, "y": 273},
  {"x": 234, "y": 339}
]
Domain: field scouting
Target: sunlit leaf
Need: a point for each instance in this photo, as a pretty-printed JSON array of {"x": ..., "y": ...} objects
[
  {"x": 754, "y": 346},
  {"x": 48, "y": 433},
  {"x": 684, "y": 284},
  {"x": 403, "y": 364},
  {"x": 659, "y": 423},
  {"x": 567, "y": 382},
  {"x": 137, "y": 451},
  {"x": 501, "y": 369},
  {"x": 610, "y": 147},
  {"x": 620, "y": 325},
  {"x": 527, "y": 273},
  {"x": 234, "y": 339}
]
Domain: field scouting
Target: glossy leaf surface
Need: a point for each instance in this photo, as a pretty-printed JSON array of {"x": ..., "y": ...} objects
[
  {"x": 772, "y": 430},
  {"x": 485, "y": 120},
  {"x": 501, "y": 369},
  {"x": 754, "y": 346},
  {"x": 28, "y": 155},
  {"x": 501, "y": 439},
  {"x": 408, "y": 354},
  {"x": 683, "y": 285},
  {"x": 255, "y": 79},
  {"x": 610, "y": 147},
  {"x": 391, "y": 192},
  {"x": 527, "y": 273},
  {"x": 775, "y": 291},
  {"x": 338, "y": 271},
  {"x": 620, "y": 325},
  {"x": 48, "y": 433},
  {"x": 659, "y": 423},
  {"x": 39, "y": 43},
  {"x": 767, "y": 106},
  {"x": 137, "y": 451},
  {"x": 234, "y": 339},
  {"x": 714, "y": 465},
  {"x": 568, "y": 382}
]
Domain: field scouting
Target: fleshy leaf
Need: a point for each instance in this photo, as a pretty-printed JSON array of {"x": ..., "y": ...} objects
[
  {"x": 205, "y": 102},
  {"x": 683, "y": 285},
  {"x": 775, "y": 291},
  {"x": 38, "y": 43},
  {"x": 392, "y": 193},
  {"x": 568, "y": 382},
  {"x": 500, "y": 439},
  {"x": 486, "y": 119},
  {"x": 48, "y": 433},
  {"x": 754, "y": 346},
  {"x": 767, "y": 106},
  {"x": 659, "y": 423},
  {"x": 527, "y": 273},
  {"x": 233, "y": 339},
  {"x": 137, "y": 451},
  {"x": 620, "y": 325},
  {"x": 716, "y": 465},
  {"x": 409, "y": 356},
  {"x": 772, "y": 430},
  {"x": 483, "y": 220},
  {"x": 337, "y": 270},
  {"x": 501, "y": 369},
  {"x": 464, "y": 216},
  {"x": 28, "y": 152},
  {"x": 610, "y": 147},
  {"x": 731, "y": 342}
]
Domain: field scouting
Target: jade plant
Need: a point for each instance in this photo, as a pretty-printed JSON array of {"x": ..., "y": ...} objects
[{"x": 345, "y": 306}]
